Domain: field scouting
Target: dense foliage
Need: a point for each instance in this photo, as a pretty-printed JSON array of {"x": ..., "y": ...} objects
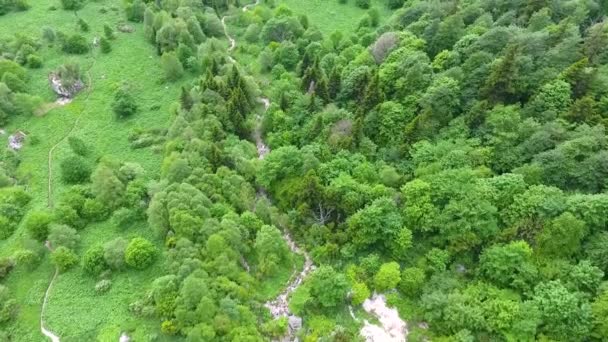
[{"x": 452, "y": 155}]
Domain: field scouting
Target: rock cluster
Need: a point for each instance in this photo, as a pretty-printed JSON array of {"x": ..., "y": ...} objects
[{"x": 62, "y": 90}]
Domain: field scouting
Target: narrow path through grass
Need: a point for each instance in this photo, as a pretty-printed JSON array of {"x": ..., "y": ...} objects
[
  {"x": 89, "y": 90},
  {"x": 67, "y": 134},
  {"x": 44, "y": 330}
]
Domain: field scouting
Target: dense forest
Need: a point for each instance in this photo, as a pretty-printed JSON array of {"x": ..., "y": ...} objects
[{"x": 228, "y": 170}]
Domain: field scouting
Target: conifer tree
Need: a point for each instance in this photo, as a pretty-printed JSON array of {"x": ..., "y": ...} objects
[
  {"x": 284, "y": 102},
  {"x": 499, "y": 85},
  {"x": 373, "y": 94},
  {"x": 334, "y": 83},
  {"x": 322, "y": 89},
  {"x": 307, "y": 61},
  {"x": 186, "y": 99}
]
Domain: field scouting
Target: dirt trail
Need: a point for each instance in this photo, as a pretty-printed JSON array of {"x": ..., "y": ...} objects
[
  {"x": 247, "y": 7},
  {"x": 279, "y": 306},
  {"x": 392, "y": 329},
  {"x": 230, "y": 39},
  {"x": 66, "y": 135},
  {"x": 263, "y": 149},
  {"x": 46, "y": 332}
]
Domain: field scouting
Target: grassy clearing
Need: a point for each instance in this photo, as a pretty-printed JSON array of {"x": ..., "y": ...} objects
[
  {"x": 75, "y": 312},
  {"x": 330, "y": 16}
]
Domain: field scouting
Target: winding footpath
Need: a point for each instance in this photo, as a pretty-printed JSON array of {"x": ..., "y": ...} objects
[
  {"x": 279, "y": 307},
  {"x": 45, "y": 331},
  {"x": 391, "y": 328}
]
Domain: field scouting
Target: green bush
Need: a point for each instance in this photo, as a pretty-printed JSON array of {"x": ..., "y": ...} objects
[
  {"x": 123, "y": 218},
  {"x": 75, "y": 169},
  {"x": 374, "y": 16},
  {"x": 94, "y": 210},
  {"x": 71, "y": 5},
  {"x": 10, "y": 5},
  {"x": 252, "y": 34},
  {"x": 114, "y": 253},
  {"x": 21, "y": 5},
  {"x": 78, "y": 146},
  {"x": 34, "y": 61},
  {"x": 8, "y": 305},
  {"x": 37, "y": 224},
  {"x": 108, "y": 31},
  {"x": 387, "y": 277},
  {"x": 76, "y": 44},
  {"x": 48, "y": 34},
  {"x": 105, "y": 46},
  {"x": 63, "y": 235},
  {"x": 412, "y": 281},
  {"x": 359, "y": 293},
  {"x": 140, "y": 253},
  {"x": 13, "y": 82},
  {"x": 363, "y": 3},
  {"x": 135, "y": 10},
  {"x": 84, "y": 27},
  {"x": 6, "y": 266},
  {"x": 12, "y": 67},
  {"x": 7, "y": 228},
  {"x": 394, "y": 4},
  {"x": 26, "y": 258},
  {"x": 124, "y": 104},
  {"x": 172, "y": 66},
  {"x": 93, "y": 260},
  {"x": 64, "y": 258}
]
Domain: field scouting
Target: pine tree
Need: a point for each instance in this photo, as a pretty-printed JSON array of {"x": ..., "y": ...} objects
[
  {"x": 237, "y": 108},
  {"x": 186, "y": 99},
  {"x": 243, "y": 103},
  {"x": 284, "y": 102},
  {"x": 208, "y": 82},
  {"x": 234, "y": 78},
  {"x": 499, "y": 85},
  {"x": 358, "y": 128},
  {"x": 312, "y": 74},
  {"x": 215, "y": 68},
  {"x": 312, "y": 105},
  {"x": 322, "y": 89},
  {"x": 579, "y": 77},
  {"x": 307, "y": 61},
  {"x": 335, "y": 81},
  {"x": 373, "y": 94},
  {"x": 308, "y": 79}
]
